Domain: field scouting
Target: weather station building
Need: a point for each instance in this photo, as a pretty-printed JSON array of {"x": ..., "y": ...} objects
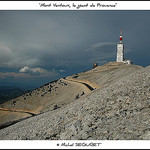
[{"x": 120, "y": 52}]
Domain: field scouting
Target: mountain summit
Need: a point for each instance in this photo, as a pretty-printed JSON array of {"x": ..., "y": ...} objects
[{"x": 109, "y": 102}]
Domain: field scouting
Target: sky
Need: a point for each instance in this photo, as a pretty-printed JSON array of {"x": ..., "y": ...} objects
[{"x": 37, "y": 47}]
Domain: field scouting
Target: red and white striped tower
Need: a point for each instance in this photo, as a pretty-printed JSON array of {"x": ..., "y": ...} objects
[
  {"x": 120, "y": 36},
  {"x": 120, "y": 50}
]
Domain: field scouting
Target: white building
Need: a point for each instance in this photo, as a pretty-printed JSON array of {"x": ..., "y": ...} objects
[{"x": 120, "y": 52}]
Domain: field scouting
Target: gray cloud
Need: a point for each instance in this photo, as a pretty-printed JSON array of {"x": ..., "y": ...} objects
[
  {"x": 27, "y": 72},
  {"x": 100, "y": 44},
  {"x": 6, "y": 55},
  {"x": 101, "y": 51},
  {"x": 36, "y": 70},
  {"x": 71, "y": 40},
  {"x": 61, "y": 70},
  {"x": 47, "y": 38},
  {"x": 34, "y": 74},
  {"x": 13, "y": 74}
]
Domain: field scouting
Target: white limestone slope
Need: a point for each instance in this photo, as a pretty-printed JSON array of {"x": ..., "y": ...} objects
[{"x": 119, "y": 110}]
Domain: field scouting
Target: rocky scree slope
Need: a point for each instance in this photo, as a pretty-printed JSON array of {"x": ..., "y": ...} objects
[
  {"x": 49, "y": 97},
  {"x": 61, "y": 92},
  {"x": 120, "y": 111},
  {"x": 106, "y": 74}
]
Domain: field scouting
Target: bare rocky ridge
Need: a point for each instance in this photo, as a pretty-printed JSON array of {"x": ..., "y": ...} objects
[
  {"x": 118, "y": 109},
  {"x": 48, "y": 97}
]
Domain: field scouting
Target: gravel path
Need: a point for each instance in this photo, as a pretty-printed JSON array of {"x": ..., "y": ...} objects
[{"x": 86, "y": 87}]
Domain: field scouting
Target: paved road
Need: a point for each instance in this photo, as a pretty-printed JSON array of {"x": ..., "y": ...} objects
[{"x": 85, "y": 85}]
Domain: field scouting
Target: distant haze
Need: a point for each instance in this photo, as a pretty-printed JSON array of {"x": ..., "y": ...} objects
[{"x": 37, "y": 47}]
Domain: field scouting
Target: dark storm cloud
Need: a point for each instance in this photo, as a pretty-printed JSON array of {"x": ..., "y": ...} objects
[
  {"x": 33, "y": 35},
  {"x": 64, "y": 40},
  {"x": 102, "y": 51}
]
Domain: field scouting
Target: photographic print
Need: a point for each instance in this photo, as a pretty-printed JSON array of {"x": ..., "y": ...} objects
[{"x": 74, "y": 75}]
